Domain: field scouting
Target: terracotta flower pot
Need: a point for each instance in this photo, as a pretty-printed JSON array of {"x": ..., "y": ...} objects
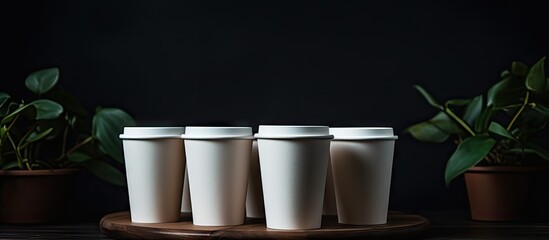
[
  {"x": 500, "y": 193},
  {"x": 36, "y": 196}
]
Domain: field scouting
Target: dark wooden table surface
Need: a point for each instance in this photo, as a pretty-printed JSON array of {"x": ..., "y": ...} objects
[{"x": 444, "y": 226}]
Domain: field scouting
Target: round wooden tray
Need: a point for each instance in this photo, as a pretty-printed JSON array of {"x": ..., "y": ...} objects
[{"x": 399, "y": 226}]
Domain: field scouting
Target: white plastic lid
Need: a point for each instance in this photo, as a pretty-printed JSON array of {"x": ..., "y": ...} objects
[
  {"x": 217, "y": 132},
  {"x": 288, "y": 131},
  {"x": 152, "y": 132},
  {"x": 363, "y": 133}
]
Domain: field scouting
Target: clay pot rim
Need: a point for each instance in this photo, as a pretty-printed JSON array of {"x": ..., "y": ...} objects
[
  {"x": 506, "y": 169},
  {"x": 40, "y": 172}
]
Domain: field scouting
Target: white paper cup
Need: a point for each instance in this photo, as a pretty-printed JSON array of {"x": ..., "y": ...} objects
[
  {"x": 155, "y": 162},
  {"x": 362, "y": 160},
  {"x": 254, "y": 198},
  {"x": 293, "y": 162},
  {"x": 186, "y": 199},
  {"x": 218, "y": 161}
]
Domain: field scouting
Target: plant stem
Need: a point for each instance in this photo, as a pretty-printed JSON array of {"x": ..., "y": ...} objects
[
  {"x": 524, "y": 103},
  {"x": 64, "y": 143},
  {"x": 13, "y": 122},
  {"x": 17, "y": 153},
  {"x": 76, "y": 147},
  {"x": 458, "y": 120},
  {"x": 21, "y": 145}
]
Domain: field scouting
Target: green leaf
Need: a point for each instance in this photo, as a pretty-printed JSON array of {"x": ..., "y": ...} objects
[
  {"x": 506, "y": 92},
  {"x": 468, "y": 154},
  {"x": 436, "y": 129},
  {"x": 519, "y": 69},
  {"x": 47, "y": 109},
  {"x": 484, "y": 119},
  {"x": 107, "y": 124},
  {"x": 3, "y": 98},
  {"x": 79, "y": 157},
  {"x": 68, "y": 102},
  {"x": 499, "y": 130},
  {"x": 106, "y": 172},
  {"x": 427, "y": 132},
  {"x": 12, "y": 115},
  {"x": 35, "y": 136},
  {"x": 42, "y": 81},
  {"x": 535, "y": 81},
  {"x": 10, "y": 165},
  {"x": 473, "y": 110},
  {"x": 445, "y": 123},
  {"x": 430, "y": 99},
  {"x": 458, "y": 102}
]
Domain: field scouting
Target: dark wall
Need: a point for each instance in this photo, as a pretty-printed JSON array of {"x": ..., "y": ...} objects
[{"x": 338, "y": 63}]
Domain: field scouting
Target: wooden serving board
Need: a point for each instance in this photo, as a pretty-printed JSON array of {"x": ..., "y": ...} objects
[{"x": 399, "y": 226}]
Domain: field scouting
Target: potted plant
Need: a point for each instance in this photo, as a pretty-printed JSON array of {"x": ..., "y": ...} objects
[
  {"x": 44, "y": 142},
  {"x": 502, "y": 140}
]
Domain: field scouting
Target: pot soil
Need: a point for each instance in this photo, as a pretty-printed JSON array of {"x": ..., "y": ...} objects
[
  {"x": 37, "y": 196},
  {"x": 501, "y": 193}
]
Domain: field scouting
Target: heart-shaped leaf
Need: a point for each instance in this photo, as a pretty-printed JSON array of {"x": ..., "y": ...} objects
[
  {"x": 42, "y": 81},
  {"x": 35, "y": 136},
  {"x": 535, "y": 81},
  {"x": 12, "y": 115},
  {"x": 468, "y": 154},
  {"x": 107, "y": 124},
  {"x": 47, "y": 109}
]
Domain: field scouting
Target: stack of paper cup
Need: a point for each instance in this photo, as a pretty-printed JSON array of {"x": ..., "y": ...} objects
[
  {"x": 155, "y": 162},
  {"x": 362, "y": 160},
  {"x": 254, "y": 197},
  {"x": 293, "y": 163},
  {"x": 218, "y": 160}
]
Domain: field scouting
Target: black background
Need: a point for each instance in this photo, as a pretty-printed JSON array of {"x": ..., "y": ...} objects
[{"x": 337, "y": 63}]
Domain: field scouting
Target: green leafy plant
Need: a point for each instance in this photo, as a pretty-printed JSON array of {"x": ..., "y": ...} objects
[
  {"x": 55, "y": 131},
  {"x": 504, "y": 126}
]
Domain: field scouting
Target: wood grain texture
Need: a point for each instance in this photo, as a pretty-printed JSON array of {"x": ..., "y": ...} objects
[{"x": 399, "y": 226}]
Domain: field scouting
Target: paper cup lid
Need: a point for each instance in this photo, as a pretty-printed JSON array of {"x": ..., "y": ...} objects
[
  {"x": 286, "y": 131},
  {"x": 363, "y": 133},
  {"x": 217, "y": 132},
  {"x": 152, "y": 132}
]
